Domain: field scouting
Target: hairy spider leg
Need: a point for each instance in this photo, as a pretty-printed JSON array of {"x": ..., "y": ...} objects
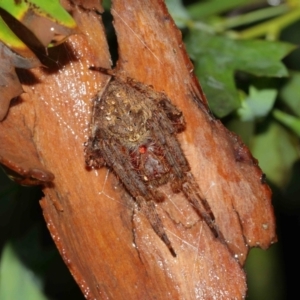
[
  {"x": 174, "y": 115},
  {"x": 187, "y": 182},
  {"x": 169, "y": 143},
  {"x": 93, "y": 155},
  {"x": 148, "y": 208},
  {"x": 173, "y": 144},
  {"x": 110, "y": 72},
  {"x": 123, "y": 168},
  {"x": 134, "y": 185},
  {"x": 202, "y": 208}
]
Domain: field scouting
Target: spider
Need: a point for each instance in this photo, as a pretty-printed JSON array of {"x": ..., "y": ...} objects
[{"x": 133, "y": 132}]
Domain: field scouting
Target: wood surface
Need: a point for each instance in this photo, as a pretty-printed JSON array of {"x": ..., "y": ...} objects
[{"x": 107, "y": 243}]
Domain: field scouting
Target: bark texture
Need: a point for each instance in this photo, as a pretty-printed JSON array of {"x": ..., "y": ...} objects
[{"x": 108, "y": 245}]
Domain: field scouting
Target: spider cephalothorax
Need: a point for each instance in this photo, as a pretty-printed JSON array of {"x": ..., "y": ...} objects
[{"x": 134, "y": 133}]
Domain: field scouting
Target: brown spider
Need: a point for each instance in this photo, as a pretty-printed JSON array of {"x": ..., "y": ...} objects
[{"x": 134, "y": 133}]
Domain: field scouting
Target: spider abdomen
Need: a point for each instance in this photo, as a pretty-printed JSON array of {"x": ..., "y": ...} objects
[{"x": 149, "y": 161}]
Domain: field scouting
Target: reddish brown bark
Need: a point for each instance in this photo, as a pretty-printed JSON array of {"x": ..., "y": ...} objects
[{"x": 108, "y": 245}]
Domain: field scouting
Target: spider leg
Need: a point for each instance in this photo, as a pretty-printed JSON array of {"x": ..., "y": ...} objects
[
  {"x": 148, "y": 208},
  {"x": 164, "y": 124},
  {"x": 182, "y": 178},
  {"x": 93, "y": 157},
  {"x": 135, "y": 186},
  {"x": 173, "y": 113},
  {"x": 190, "y": 190},
  {"x": 160, "y": 124},
  {"x": 123, "y": 168}
]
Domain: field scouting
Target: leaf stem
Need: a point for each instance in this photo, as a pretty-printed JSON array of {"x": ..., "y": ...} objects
[
  {"x": 271, "y": 28},
  {"x": 255, "y": 16},
  {"x": 290, "y": 121}
]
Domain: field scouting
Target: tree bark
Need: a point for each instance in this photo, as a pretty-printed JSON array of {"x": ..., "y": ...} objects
[{"x": 108, "y": 245}]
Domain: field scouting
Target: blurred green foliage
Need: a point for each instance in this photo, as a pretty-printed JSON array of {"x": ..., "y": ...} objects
[
  {"x": 217, "y": 58},
  {"x": 16, "y": 281},
  {"x": 237, "y": 47}
]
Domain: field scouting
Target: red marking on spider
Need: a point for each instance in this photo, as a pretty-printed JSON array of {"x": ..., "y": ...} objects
[{"x": 142, "y": 149}]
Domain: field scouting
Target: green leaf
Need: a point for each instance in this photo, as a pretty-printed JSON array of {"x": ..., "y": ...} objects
[
  {"x": 9, "y": 38},
  {"x": 47, "y": 20},
  {"x": 217, "y": 58},
  {"x": 51, "y": 9},
  {"x": 258, "y": 104},
  {"x": 290, "y": 93},
  {"x": 276, "y": 150},
  {"x": 16, "y": 281},
  {"x": 212, "y": 7},
  {"x": 289, "y": 121},
  {"x": 218, "y": 85}
]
